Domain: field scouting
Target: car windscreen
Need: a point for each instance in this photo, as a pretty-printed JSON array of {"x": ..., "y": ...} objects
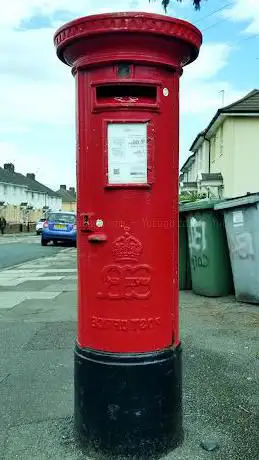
[{"x": 62, "y": 218}]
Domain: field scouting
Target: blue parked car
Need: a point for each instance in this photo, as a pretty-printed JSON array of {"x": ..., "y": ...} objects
[{"x": 60, "y": 226}]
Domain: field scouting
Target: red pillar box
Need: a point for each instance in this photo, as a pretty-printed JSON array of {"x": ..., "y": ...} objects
[{"x": 128, "y": 353}]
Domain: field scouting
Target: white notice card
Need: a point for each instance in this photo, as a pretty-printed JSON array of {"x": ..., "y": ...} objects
[{"x": 127, "y": 153}]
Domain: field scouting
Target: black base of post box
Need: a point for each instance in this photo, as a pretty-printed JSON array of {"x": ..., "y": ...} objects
[{"x": 129, "y": 404}]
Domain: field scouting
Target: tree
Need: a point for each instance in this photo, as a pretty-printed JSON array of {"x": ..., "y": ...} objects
[{"x": 196, "y": 3}]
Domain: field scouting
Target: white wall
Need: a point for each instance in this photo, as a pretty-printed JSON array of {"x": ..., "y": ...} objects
[
  {"x": 223, "y": 156},
  {"x": 16, "y": 194},
  {"x": 54, "y": 202},
  {"x": 237, "y": 156},
  {"x": 200, "y": 163},
  {"x": 245, "y": 142},
  {"x": 12, "y": 194},
  {"x": 234, "y": 154}
]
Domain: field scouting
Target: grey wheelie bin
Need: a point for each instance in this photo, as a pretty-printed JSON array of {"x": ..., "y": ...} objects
[
  {"x": 209, "y": 258},
  {"x": 241, "y": 217}
]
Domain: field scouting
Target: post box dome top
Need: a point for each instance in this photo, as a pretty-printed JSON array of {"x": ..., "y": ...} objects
[{"x": 89, "y": 39}]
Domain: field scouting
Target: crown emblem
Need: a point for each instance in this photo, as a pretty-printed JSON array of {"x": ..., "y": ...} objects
[{"x": 126, "y": 248}]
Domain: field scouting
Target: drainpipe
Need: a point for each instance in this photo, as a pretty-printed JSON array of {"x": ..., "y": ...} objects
[{"x": 208, "y": 140}]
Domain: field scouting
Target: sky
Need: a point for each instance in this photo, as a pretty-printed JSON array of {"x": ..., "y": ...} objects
[{"x": 37, "y": 92}]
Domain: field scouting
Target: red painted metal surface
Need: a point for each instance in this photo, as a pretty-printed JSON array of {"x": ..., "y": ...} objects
[{"x": 127, "y": 233}]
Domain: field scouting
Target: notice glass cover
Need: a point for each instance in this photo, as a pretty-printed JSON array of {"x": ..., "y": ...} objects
[{"x": 127, "y": 153}]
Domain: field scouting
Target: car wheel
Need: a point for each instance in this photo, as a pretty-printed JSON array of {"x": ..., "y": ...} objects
[{"x": 43, "y": 242}]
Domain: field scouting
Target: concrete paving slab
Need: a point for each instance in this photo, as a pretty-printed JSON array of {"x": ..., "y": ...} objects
[
  {"x": 42, "y": 310},
  {"x": 28, "y": 286},
  {"x": 33, "y": 264},
  {"x": 68, "y": 298},
  {"x": 62, "y": 286},
  {"x": 54, "y": 259},
  {"x": 40, "y": 278},
  {"x": 10, "y": 299},
  {"x": 11, "y": 282},
  {"x": 13, "y": 274},
  {"x": 48, "y": 269},
  {"x": 55, "y": 263},
  {"x": 66, "y": 258}
]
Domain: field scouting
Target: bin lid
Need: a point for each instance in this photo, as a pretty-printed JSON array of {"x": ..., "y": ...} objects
[
  {"x": 199, "y": 205},
  {"x": 182, "y": 203},
  {"x": 236, "y": 202}
]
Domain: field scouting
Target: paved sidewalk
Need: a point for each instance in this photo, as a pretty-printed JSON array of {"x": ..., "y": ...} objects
[
  {"x": 19, "y": 238},
  {"x": 25, "y": 233},
  {"x": 37, "y": 332}
]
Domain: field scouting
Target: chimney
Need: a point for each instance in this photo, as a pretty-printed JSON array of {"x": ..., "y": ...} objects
[
  {"x": 72, "y": 190},
  {"x": 30, "y": 176},
  {"x": 9, "y": 167},
  {"x": 63, "y": 187}
]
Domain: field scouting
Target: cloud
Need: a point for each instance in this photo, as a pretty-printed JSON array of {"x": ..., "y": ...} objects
[
  {"x": 37, "y": 90},
  {"x": 200, "y": 86},
  {"x": 40, "y": 157},
  {"x": 200, "y": 89},
  {"x": 212, "y": 58},
  {"x": 245, "y": 11},
  {"x": 206, "y": 99},
  {"x": 15, "y": 10},
  {"x": 199, "y": 101},
  {"x": 35, "y": 87}
]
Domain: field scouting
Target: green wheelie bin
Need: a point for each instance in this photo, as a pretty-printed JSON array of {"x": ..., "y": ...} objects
[
  {"x": 185, "y": 282},
  {"x": 211, "y": 272}
]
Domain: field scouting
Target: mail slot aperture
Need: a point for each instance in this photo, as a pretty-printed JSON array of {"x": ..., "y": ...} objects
[{"x": 126, "y": 93}]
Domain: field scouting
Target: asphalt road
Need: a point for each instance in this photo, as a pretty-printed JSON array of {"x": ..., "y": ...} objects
[{"x": 20, "y": 252}]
